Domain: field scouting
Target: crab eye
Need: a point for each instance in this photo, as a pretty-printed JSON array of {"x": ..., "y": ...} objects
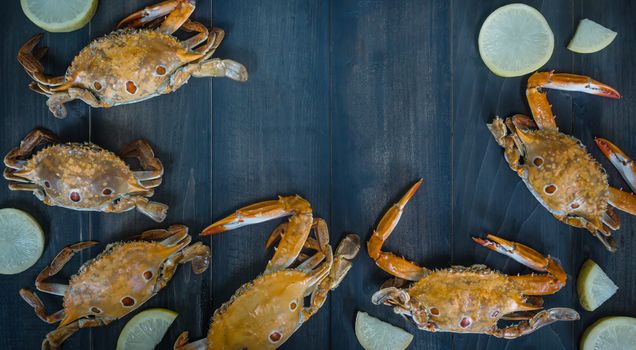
[
  {"x": 465, "y": 322},
  {"x": 293, "y": 305},
  {"x": 97, "y": 85},
  {"x": 47, "y": 184},
  {"x": 275, "y": 337},
  {"x": 147, "y": 275},
  {"x": 75, "y": 196},
  {"x": 107, "y": 191},
  {"x": 127, "y": 301},
  {"x": 131, "y": 87},
  {"x": 537, "y": 161},
  {"x": 550, "y": 189},
  {"x": 96, "y": 310},
  {"x": 161, "y": 70},
  {"x": 434, "y": 311}
]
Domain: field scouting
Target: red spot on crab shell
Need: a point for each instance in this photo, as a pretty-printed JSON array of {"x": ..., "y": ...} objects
[
  {"x": 75, "y": 196},
  {"x": 434, "y": 311},
  {"x": 465, "y": 322},
  {"x": 131, "y": 87},
  {"x": 128, "y": 301},
  {"x": 275, "y": 336}
]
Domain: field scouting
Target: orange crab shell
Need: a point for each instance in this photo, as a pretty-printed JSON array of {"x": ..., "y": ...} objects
[
  {"x": 128, "y": 65},
  {"x": 96, "y": 175},
  {"x": 564, "y": 177},
  {"x": 266, "y": 312},
  {"x": 117, "y": 281},
  {"x": 481, "y": 297}
]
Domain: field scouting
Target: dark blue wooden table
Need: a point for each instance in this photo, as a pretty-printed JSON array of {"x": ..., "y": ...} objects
[{"x": 348, "y": 103}]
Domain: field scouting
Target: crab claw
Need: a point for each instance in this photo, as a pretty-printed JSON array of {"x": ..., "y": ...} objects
[
  {"x": 572, "y": 82},
  {"x": 524, "y": 255},
  {"x": 620, "y": 160}
]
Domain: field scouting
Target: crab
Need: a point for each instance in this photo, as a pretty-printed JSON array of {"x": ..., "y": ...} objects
[
  {"x": 83, "y": 176},
  {"x": 556, "y": 168},
  {"x": 140, "y": 60},
  {"x": 116, "y": 282},
  {"x": 265, "y": 312},
  {"x": 468, "y": 299}
]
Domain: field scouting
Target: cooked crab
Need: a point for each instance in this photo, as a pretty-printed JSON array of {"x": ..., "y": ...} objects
[
  {"x": 264, "y": 313},
  {"x": 556, "y": 168},
  {"x": 116, "y": 282},
  {"x": 469, "y": 299},
  {"x": 135, "y": 63},
  {"x": 83, "y": 176}
]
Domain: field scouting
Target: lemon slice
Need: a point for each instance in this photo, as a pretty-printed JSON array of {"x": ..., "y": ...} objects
[
  {"x": 590, "y": 37},
  {"x": 610, "y": 333},
  {"x": 515, "y": 40},
  {"x": 59, "y": 15},
  {"x": 593, "y": 286},
  {"x": 146, "y": 329},
  {"x": 374, "y": 334},
  {"x": 21, "y": 241}
]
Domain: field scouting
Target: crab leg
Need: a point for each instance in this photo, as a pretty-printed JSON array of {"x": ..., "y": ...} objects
[
  {"x": 216, "y": 67},
  {"x": 346, "y": 251},
  {"x": 57, "y": 100},
  {"x": 541, "y": 109},
  {"x": 63, "y": 257},
  {"x": 37, "y": 305},
  {"x": 554, "y": 280},
  {"x": 621, "y": 161},
  {"x": 182, "y": 343},
  {"x": 14, "y": 159},
  {"x": 142, "y": 151},
  {"x": 622, "y": 200},
  {"x": 177, "y": 11},
  {"x": 55, "y": 338},
  {"x": 29, "y": 56},
  {"x": 389, "y": 262},
  {"x": 539, "y": 320},
  {"x": 298, "y": 228}
]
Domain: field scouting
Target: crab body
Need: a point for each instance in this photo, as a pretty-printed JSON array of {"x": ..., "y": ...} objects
[
  {"x": 265, "y": 312},
  {"x": 135, "y": 63},
  {"x": 557, "y": 168},
  {"x": 468, "y": 299},
  {"x": 83, "y": 176},
  {"x": 116, "y": 282}
]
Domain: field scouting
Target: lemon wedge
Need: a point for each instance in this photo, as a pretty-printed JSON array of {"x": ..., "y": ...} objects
[
  {"x": 515, "y": 40},
  {"x": 610, "y": 333},
  {"x": 590, "y": 37},
  {"x": 146, "y": 329},
  {"x": 593, "y": 286},
  {"x": 59, "y": 16},
  {"x": 374, "y": 334},
  {"x": 21, "y": 241}
]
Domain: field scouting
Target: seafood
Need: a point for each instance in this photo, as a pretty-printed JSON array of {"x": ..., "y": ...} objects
[
  {"x": 83, "y": 176},
  {"x": 265, "y": 312},
  {"x": 116, "y": 282},
  {"x": 139, "y": 61},
  {"x": 556, "y": 168},
  {"x": 468, "y": 299}
]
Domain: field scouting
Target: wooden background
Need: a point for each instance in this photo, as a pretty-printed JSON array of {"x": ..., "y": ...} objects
[{"x": 348, "y": 103}]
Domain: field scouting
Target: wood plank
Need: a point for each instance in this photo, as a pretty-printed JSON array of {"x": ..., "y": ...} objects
[
  {"x": 488, "y": 197},
  {"x": 23, "y": 110},
  {"x": 270, "y": 135},
  {"x": 391, "y": 126},
  {"x": 611, "y": 119},
  {"x": 178, "y": 128}
]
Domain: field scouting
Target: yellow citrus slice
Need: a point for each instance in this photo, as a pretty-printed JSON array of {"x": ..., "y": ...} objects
[
  {"x": 374, "y": 334},
  {"x": 610, "y": 333},
  {"x": 21, "y": 241},
  {"x": 593, "y": 286},
  {"x": 59, "y": 15},
  {"x": 515, "y": 40},
  {"x": 590, "y": 37},
  {"x": 146, "y": 329}
]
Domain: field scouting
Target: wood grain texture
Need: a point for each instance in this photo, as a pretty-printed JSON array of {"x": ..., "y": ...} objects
[{"x": 348, "y": 103}]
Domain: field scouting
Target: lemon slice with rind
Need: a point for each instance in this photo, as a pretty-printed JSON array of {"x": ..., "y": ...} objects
[
  {"x": 21, "y": 241},
  {"x": 374, "y": 334},
  {"x": 593, "y": 286},
  {"x": 146, "y": 329},
  {"x": 590, "y": 37},
  {"x": 515, "y": 40},
  {"x": 610, "y": 333},
  {"x": 59, "y": 15}
]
